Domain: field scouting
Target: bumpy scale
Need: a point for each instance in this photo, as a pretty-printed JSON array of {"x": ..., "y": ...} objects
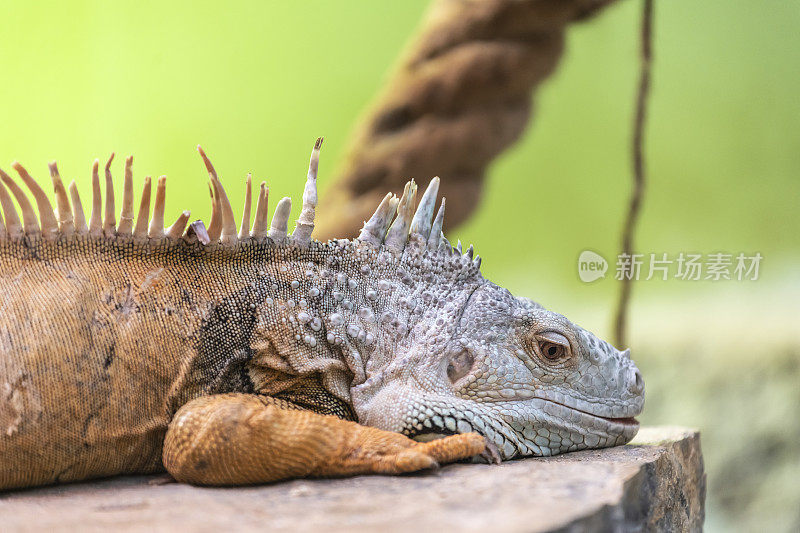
[{"x": 233, "y": 357}]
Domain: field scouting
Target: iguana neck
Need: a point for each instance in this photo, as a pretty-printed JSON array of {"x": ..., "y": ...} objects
[
  {"x": 346, "y": 311},
  {"x": 339, "y": 310}
]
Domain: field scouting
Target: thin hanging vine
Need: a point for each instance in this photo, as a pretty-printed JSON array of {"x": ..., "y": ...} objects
[{"x": 637, "y": 193}]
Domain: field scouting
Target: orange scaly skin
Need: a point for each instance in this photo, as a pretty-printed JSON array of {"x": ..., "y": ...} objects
[{"x": 243, "y": 439}]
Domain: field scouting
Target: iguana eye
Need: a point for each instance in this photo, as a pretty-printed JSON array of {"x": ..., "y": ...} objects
[
  {"x": 552, "y": 351},
  {"x": 553, "y": 346}
]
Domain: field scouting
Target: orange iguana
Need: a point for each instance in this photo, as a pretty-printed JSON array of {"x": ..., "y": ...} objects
[{"x": 244, "y": 357}]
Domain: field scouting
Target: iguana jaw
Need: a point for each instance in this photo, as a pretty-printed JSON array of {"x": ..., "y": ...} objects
[
  {"x": 534, "y": 427},
  {"x": 440, "y": 433},
  {"x": 618, "y": 420}
]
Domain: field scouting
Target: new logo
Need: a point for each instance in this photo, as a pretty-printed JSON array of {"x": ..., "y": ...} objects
[{"x": 591, "y": 266}]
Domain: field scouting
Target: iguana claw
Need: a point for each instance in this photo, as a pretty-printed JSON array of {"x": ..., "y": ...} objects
[{"x": 490, "y": 455}]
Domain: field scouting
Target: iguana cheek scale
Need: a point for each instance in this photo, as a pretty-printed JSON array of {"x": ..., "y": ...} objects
[{"x": 232, "y": 357}]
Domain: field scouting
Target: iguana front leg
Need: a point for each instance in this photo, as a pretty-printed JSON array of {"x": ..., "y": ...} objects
[{"x": 236, "y": 439}]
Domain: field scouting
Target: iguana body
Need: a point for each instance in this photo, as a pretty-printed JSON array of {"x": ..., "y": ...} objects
[{"x": 255, "y": 353}]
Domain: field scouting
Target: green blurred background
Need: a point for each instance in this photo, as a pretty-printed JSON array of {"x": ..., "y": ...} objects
[{"x": 255, "y": 82}]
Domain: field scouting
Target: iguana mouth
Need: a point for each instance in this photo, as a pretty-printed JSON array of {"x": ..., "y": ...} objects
[
  {"x": 440, "y": 431},
  {"x": 625, "y": 421},
  {"x": 433, "y": 433},
  {"x": 628, "y": 421},
  {"x": 437, "y": 431}
]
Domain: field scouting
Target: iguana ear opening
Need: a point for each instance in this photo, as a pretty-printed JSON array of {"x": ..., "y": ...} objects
[{"x": 459, "y": 365}]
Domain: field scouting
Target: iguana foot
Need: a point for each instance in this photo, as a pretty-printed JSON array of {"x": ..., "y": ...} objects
[
  {"x": 236, "y": 439},
  {"x": 425, "y": 455}
]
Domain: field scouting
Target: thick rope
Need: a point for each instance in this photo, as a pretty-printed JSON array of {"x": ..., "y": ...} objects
[{"x": 460, "y": 95}]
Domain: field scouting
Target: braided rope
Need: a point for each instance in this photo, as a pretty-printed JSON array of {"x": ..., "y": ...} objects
[{"x": 460, "y": 95}]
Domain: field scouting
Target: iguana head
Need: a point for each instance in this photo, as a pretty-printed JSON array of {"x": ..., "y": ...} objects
[
  {"x": 457, "y": 353},
  {"x": 527, "y": 379}
]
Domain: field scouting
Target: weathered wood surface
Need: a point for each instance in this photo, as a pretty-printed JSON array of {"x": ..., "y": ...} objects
[{"x": 655, "y": 483}]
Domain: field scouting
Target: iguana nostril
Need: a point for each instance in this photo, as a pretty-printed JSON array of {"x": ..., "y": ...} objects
[{"x": 635, "y": 381}]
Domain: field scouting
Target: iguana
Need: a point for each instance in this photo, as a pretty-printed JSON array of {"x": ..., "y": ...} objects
[{"x": 245, "y": 357}]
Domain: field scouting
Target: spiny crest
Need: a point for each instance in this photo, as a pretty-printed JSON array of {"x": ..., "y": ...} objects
[{"x": 394, "y": 223}]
